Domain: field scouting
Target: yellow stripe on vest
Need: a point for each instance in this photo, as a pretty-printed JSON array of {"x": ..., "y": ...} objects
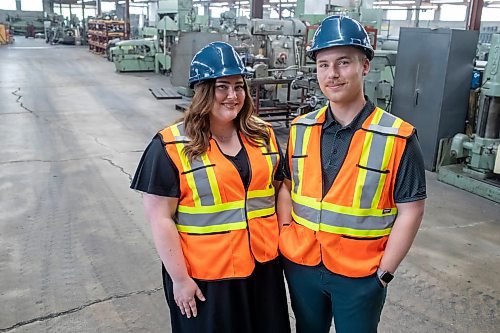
[
  {"x": 261, "y": 212},
  {"x": 354, "y": 232},
  {"x": 360, "y": 182},
  {"x": 260, "y": 193},
  {"x": 212, "y": 228},
  {"x": 186, "y": 166}
]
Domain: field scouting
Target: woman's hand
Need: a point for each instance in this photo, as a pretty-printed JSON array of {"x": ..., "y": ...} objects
[
  {"x": 160, "y": 212},
  {"x": 184, "y": 295}
]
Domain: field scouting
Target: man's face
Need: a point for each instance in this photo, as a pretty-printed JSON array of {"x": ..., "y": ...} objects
[{"x": 340, "y": 71}]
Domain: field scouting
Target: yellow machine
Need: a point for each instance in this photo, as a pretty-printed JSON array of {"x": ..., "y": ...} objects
[{"x": 5, "y": 36}]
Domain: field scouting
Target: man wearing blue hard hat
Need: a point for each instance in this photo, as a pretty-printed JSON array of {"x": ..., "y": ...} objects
[{"x": 353, "y": 195}]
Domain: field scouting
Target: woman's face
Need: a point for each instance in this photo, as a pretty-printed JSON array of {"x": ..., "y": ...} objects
[{"x": 229, "y": 99}]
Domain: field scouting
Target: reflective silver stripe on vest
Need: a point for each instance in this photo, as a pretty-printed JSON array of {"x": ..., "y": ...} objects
[
  {"x": 274, "y": 159},
  {"x": 381, "y": 129},
  {"x": 375, "y": 159},
  {"x": 202, "y": 183},
  {"x": 200, "y": 176},
  {"x": 385, "y": 125},
  {"x": 254, "y": 204},
  {"x": 181, "y": 138},
  {"x": 308, "y": 120},
  {"x": 343, "y": 220},
  {"x": 387, "y": 120},
  {"x": 307, "y": 213},
  {"x": 211, "y": 219}
]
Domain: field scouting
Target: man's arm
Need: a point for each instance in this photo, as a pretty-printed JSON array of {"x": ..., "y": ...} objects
[
  {"x": 159, "y": 211},
  {"x": 403, "y": 233}
]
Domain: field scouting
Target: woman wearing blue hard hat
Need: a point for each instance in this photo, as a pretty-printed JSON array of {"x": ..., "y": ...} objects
[
  {"x": 209, "y": 184},
  {"x": 343, "y": 241}
]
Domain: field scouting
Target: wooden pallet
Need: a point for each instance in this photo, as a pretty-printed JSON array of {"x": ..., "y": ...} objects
[
  {"x": 182, "y": 106},
  {"x": 165, "y": 93}
]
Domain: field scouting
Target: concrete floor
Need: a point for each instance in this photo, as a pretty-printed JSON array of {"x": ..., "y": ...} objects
[{"x": 76, "y": 251}]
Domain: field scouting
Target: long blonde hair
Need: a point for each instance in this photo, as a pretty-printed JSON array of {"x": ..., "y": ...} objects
[{"x": 197, "y": 120}]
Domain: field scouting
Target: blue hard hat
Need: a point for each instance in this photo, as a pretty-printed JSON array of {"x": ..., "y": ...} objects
[
  {"x": 338, "y": 30},
  {"x": 217, "y": 59}
]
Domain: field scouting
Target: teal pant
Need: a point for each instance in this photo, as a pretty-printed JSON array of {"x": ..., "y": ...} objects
[{"x": 317, "y": 295}]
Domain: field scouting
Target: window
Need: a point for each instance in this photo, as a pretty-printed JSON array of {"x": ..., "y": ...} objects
[
  {"x": 424, "y": 15},
  {"x": 107, "y": 7},
  {"x": 397, "y": 13},
  {"x": 201, "y": 9},
  {"x": 490, "y": 14},
  {"x": 32, "y": 5},
  {"x": 8, "y": 4},
  {"x": 453, "y": 13}
]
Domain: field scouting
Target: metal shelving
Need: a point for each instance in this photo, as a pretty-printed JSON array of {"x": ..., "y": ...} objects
[{"x": 100, "y": 32}]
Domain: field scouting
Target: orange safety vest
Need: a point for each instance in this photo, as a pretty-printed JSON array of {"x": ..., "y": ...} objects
[
  {"x": 224, "y": 227},
  {"x": 347, "y": 229}
]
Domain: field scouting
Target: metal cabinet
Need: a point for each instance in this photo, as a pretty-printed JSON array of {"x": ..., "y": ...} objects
[{"x": 432, "y": 83}]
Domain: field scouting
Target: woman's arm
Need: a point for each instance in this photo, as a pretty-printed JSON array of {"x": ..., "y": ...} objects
[
  {"x": 284, "y": 204},
  {"x": 159, "y": 211}
]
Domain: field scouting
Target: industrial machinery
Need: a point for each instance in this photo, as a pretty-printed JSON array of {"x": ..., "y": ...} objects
[
  {"x": 275, "y": 45},
  {"x": 167, "y": 30},
  {"x": 134, "y": 55},
  {"x": 272, "y": 50},
  {"x": 476, "y": 157},
  {"x": 19, "y": 24},
  {"x": 173, "y": 17},
  {"x": 307, "y": 82},
  {"x": 377, "y": 87}
]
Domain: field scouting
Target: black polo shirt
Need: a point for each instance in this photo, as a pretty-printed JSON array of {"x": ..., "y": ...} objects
[{"x": 335, "y": 142}]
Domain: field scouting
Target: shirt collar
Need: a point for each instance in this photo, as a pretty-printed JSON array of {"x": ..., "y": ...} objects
[{"x": 356, "y": 122}]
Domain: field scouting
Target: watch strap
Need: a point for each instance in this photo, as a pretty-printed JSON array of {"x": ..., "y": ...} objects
[{"x": 384, "y": 275}]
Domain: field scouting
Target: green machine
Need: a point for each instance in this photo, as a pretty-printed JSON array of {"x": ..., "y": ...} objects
[
  {"x": 136, "y": 55},
  {"x": 167, "y": 31},
  {"x": 474, "y": 161},
  {"x": 173, "y": 16}
]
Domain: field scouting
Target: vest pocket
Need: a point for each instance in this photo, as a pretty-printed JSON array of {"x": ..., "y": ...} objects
[
  {"x": 299, "y": 244},
  {"x": 352, "y": 256},
  {"x": 217, "y": 256},
  {"x": 200, "y": 177},
  {"x": 374, "y": 178},
  {"x": 372, "y": 169},
  {"x": 264, "y": 234}
]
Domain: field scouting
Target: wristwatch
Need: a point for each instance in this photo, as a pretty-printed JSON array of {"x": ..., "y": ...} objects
[{"x": 384, "y": 275}]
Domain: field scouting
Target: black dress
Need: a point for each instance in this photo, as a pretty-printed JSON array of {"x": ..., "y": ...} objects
[{"x": 253, "y": 304}]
